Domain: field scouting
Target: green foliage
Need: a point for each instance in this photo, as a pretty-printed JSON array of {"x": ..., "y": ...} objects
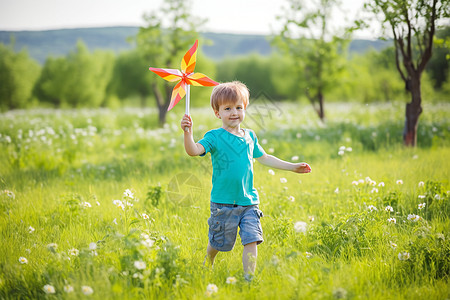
[
  {"x": 63, "y": 207},
  {"x": 18, "y": 74},
  {"x": 78, "y": 80}
]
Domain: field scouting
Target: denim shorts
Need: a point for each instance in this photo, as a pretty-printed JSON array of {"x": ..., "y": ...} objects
[{"x": 225, "y": 220}]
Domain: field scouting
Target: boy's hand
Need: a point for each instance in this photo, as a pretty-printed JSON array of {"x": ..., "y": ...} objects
[
  {"x": 186, "y": 122},
  {"x": 301, "y": 168}
]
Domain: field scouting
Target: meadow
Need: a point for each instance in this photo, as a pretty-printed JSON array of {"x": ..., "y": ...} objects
[{"x": 104, "y": 204}]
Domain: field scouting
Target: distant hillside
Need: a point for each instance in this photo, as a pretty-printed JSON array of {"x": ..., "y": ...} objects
[{"x": 41, "y": 44}]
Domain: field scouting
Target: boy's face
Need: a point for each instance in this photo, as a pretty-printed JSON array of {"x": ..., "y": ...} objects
[{"x": 231, "y": 114}]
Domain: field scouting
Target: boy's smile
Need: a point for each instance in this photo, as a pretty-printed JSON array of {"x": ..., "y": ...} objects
[{"x": 232, "y": 115}]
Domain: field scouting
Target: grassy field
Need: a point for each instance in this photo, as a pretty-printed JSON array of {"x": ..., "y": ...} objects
[{"x": 104, "y": 204}]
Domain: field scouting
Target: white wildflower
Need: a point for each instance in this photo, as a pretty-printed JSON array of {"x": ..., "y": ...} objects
[
  {"x": 372, "y": 208},
  {"x": 354, "y": 182},
  {"x": 393, "y": 245},
  {"x": 23, "y": 260},
  {"x": 413, "y": 217},
  {"x": 421, "y": 184},
  {"x": 421, "y": 196},
  {"x": 399, "y": 182},
  {"x": 145, "y": 216},
  {"x": 31, "y": 229},
  {"x": 74, "y": 252},
  {"x": 271, "y": 172},
  {"x": 300, "y": 226},
  {"x": 68, "y": 288},
  {"x": 295, "y": 158},
  {"x": 140, "y": 265},
  {"x": 128, "y": 194},
  {"x": 422, "y": 205},
  {"x": 437, "y": 197},
  {"x": 92, "y": 246},
  {"x": 403, "y": 255},
  {"x": 49, "y": 289},
  {"x": 374, "y": 190},
  {"x": 341, "y": 153},
  {"x": 87, "y": 204},
  {"x": 381, "y": 184},
  {"x": 291, "y": 198},
  {"x": 87, "y": 290},
  {"x": 336, "y": 191},
  {"x": 211, "y": 289},
  {"x": 231, "y": 280},
  {"x": 389, "y": 208},
  {"x": 283, "y": 180},
  {"x": 311, "y": 218},
  {"x": 392, "y": 220},
  {"x": 349, "y": 149},
  {"x": 148, "y": 243}
]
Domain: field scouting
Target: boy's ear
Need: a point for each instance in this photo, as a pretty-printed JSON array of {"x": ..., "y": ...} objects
[{"x": 216, "y": 112}]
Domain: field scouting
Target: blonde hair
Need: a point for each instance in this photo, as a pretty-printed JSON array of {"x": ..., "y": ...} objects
[{"x": 229, "y": 92}]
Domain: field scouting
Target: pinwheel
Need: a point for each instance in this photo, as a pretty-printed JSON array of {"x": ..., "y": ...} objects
[{"x": 186, "y": 77}]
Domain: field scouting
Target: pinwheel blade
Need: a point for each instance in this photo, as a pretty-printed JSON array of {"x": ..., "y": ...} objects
[
  {"x": 199, "y": 79},
  {"x": 167, "y": 74},
  {"x": 178, "y": 92},
  {"x": 189, "y": 59}
]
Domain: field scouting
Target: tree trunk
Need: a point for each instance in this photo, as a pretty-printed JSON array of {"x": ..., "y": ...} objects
[
  {"x": 413, "y": 111},
  {"x": 160, "y": 103},
  {"x": 321, "y": 111}
]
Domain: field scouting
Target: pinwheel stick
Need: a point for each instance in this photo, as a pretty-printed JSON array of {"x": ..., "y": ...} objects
[{"x": 188, "y": 94}]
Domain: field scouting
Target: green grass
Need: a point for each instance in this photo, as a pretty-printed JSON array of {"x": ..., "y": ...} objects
[{"x": 52, "y": 162}]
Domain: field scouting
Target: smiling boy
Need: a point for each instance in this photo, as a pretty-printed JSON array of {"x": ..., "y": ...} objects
[{"x": 234, "y": 199}]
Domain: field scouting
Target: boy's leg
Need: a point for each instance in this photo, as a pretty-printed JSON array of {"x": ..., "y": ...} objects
[
  {"x": 249, "y": 256},
  {"x": 210, "y": 255}
]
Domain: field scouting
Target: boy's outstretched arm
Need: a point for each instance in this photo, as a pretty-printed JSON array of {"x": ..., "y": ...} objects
[
  {"x": 274, "y": 162},
  {"x": 192, "y": 148}
]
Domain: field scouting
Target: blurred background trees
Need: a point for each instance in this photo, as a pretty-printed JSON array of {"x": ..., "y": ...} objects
[{"x": 308, "y": 62}]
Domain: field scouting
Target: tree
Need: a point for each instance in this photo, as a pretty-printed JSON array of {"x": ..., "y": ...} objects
[
  {"x": 18, "y": 74},
  {"x": 412, "y": 24},
  {"x": 169, "y": 33},
  {"x": 307, "y": 38},
  {"x": 78, "y": 80},
  {"x": 131, "y": 76}
]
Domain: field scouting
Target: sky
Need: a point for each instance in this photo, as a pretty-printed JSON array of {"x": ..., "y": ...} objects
[{"x": 230, "y": 16}]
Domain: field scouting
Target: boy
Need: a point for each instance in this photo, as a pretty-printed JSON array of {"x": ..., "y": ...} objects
[{"x": 234, "y": 200}]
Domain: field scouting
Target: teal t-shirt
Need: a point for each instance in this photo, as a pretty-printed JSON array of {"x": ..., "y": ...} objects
[{"x": 232, "y": 162}]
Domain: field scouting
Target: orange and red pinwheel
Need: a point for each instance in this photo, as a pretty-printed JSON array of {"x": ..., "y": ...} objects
[{"x": 186, "y": 76}]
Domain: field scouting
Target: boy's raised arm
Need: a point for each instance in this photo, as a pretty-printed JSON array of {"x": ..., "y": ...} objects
[
  {"x": 274, "y": 162},
  {"x": 192, "y": 148}
]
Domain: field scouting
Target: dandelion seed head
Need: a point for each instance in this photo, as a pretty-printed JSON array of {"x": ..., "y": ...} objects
[{"x": 300, "y": 226}]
